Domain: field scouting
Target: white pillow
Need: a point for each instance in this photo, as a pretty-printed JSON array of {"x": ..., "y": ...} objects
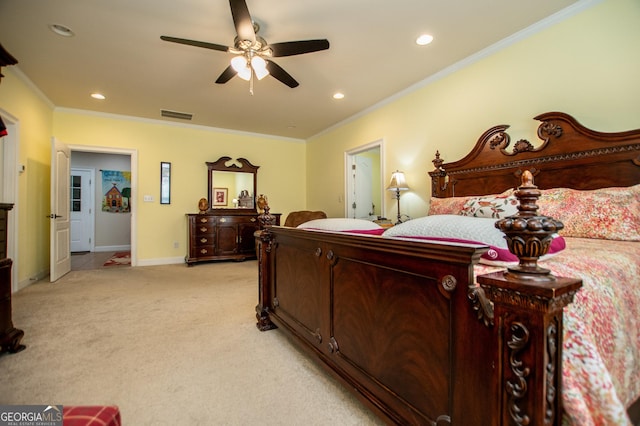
[
  {"x": 467, "y": 229},
  {"x": 479, "y": 229},
  {"x": 340, "y": 224}
]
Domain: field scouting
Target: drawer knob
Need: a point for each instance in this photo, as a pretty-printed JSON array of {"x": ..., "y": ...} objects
[
  {"x": 203, "y": 219},
  {"x": 203, "y": 229},
  {"x": 223, "y": 219},
  {"x": 203, "y": 240},
  {"x": 204, "y": 251}
]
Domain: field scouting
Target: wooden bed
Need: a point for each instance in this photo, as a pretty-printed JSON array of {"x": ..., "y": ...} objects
[{"x": 408, "y": 326}]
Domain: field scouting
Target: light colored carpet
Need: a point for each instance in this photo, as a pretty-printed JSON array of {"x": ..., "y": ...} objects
[{"x": 170, "y": 345}]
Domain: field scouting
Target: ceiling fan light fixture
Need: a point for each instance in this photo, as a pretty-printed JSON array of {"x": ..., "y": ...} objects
[
  {"x": 259, "y": 66},
  {"x": 239, "y": 63},
  {"x": 250, "y": 50},
  {"x": 245, "y": 74}
]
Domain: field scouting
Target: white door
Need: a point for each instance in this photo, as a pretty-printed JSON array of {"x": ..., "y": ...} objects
[
  {"x": 81, "y": 208},
  {"x": 360, "y": 195},
  {"x": 60, "y": 257}
]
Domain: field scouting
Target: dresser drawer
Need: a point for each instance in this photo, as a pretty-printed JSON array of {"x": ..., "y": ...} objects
[
  {"x": 203, "y": 240},
  {"x": 236, "y": 220},
  {"x": 202, "y": 251},
  {"x": 202, "y": 226}
]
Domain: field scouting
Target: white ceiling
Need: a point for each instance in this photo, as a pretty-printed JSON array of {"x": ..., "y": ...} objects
[{"x": 117, "y": 50}]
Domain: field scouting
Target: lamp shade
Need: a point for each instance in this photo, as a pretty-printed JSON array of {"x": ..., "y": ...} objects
[
  {"x": 239, "y": 63},
  {"x": 259, "y": 66},
  {"x": 398, "y": 182}
]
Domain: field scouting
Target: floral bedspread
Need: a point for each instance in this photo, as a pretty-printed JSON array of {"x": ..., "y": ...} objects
[{"x": 601, "y": 346}]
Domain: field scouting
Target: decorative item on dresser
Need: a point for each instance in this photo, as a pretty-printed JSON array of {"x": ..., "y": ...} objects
[
  {"x": 10, "y": 336},
  {"x": 226, "y": 233}
]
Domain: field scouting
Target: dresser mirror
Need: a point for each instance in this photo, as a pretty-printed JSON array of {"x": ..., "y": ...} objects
[{"x": 232, "y": 184}]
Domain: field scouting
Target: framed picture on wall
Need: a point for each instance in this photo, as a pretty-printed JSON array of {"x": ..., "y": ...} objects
[
  {"x": 220, "y": 196},
  {"x": 165, "y": 182}
]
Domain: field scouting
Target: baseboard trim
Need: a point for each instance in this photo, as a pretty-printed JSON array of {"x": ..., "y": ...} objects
[
  {"x": 160, "y": 261},
  {"x": 113, "y": 248}
]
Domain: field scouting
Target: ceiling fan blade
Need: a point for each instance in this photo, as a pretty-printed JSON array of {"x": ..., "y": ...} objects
[
  {"x": 226, "y": 75},
  {"x": 195, "y": 43},
  {"x": 242, "y": 20},
  {"x": 280, "y": 74},
  {"x": 290, "y": 48}
]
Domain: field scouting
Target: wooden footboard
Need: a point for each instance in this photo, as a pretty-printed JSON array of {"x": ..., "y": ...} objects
[{"x": 404, "y": 325}]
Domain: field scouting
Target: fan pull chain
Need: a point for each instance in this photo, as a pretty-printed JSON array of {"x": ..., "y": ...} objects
[{"x": 251, "y": 81}]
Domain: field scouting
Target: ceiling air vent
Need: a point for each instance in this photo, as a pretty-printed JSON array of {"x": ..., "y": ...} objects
[{"x": 176, "y": 114}]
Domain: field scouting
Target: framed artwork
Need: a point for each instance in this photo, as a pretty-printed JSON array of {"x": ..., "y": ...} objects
[
  {"x": 165, "y": 183},
  {"x": 220, "y": 196}
]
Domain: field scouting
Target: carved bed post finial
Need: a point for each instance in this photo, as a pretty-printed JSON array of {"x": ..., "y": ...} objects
[
  {"x": 437, "y": 161},
  {"x": 265, "y": 218},
  {"x": 439, "y": 177},
  {"x": 529, "y": 235}
]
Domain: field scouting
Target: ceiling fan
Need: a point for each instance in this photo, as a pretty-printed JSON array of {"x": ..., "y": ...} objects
[{"x": 252, "y": 53}]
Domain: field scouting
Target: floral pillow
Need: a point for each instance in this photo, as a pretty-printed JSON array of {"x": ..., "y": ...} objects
[
  {"x": 608, "y": 213},
  {"x": 450, "y": 205},
  {"x": 491, "y": 206},
  {"x": 456, "y": 205}
]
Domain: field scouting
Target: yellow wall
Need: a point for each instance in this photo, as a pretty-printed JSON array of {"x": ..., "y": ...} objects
[
  {"x": 34, "y": 128},
  {"x": 587, "y": 65},
  {"x": 280, "y": 177}
]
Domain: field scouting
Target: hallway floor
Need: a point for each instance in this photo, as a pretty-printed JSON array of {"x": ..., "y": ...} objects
[{"x": 91, "y": 260}]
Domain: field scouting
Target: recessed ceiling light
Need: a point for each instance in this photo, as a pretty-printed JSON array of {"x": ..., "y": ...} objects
[
  {"x": 338, "y": 95},
  {"x": 424, "y": 39},
  {"x": 61, "y": 30},
  {"x": 99, "y": 96}
]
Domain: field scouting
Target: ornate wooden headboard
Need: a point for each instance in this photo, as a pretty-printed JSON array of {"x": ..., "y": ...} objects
[{"x": 570, "y": 156}]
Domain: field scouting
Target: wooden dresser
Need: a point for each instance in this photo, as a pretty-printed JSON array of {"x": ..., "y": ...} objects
[
  {"x": 223, "y": 235},
  {"x": 10, "y": 336}
]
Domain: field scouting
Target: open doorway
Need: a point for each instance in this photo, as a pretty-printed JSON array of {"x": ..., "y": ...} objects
[
  {"x": 363, "y": 179},
  {"x": 101, "y": 235}
]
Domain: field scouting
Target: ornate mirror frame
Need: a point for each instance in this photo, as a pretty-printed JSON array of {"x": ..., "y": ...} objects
[{"x": 227, "y": 164}]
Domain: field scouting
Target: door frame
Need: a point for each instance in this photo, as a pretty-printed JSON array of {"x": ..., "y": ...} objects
[
  {"x": 92, "y": 201},
  {"x": 10, "y": 146},
  {"x": 348, "y": 183},
  {"x": 133, "y": 154}
]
